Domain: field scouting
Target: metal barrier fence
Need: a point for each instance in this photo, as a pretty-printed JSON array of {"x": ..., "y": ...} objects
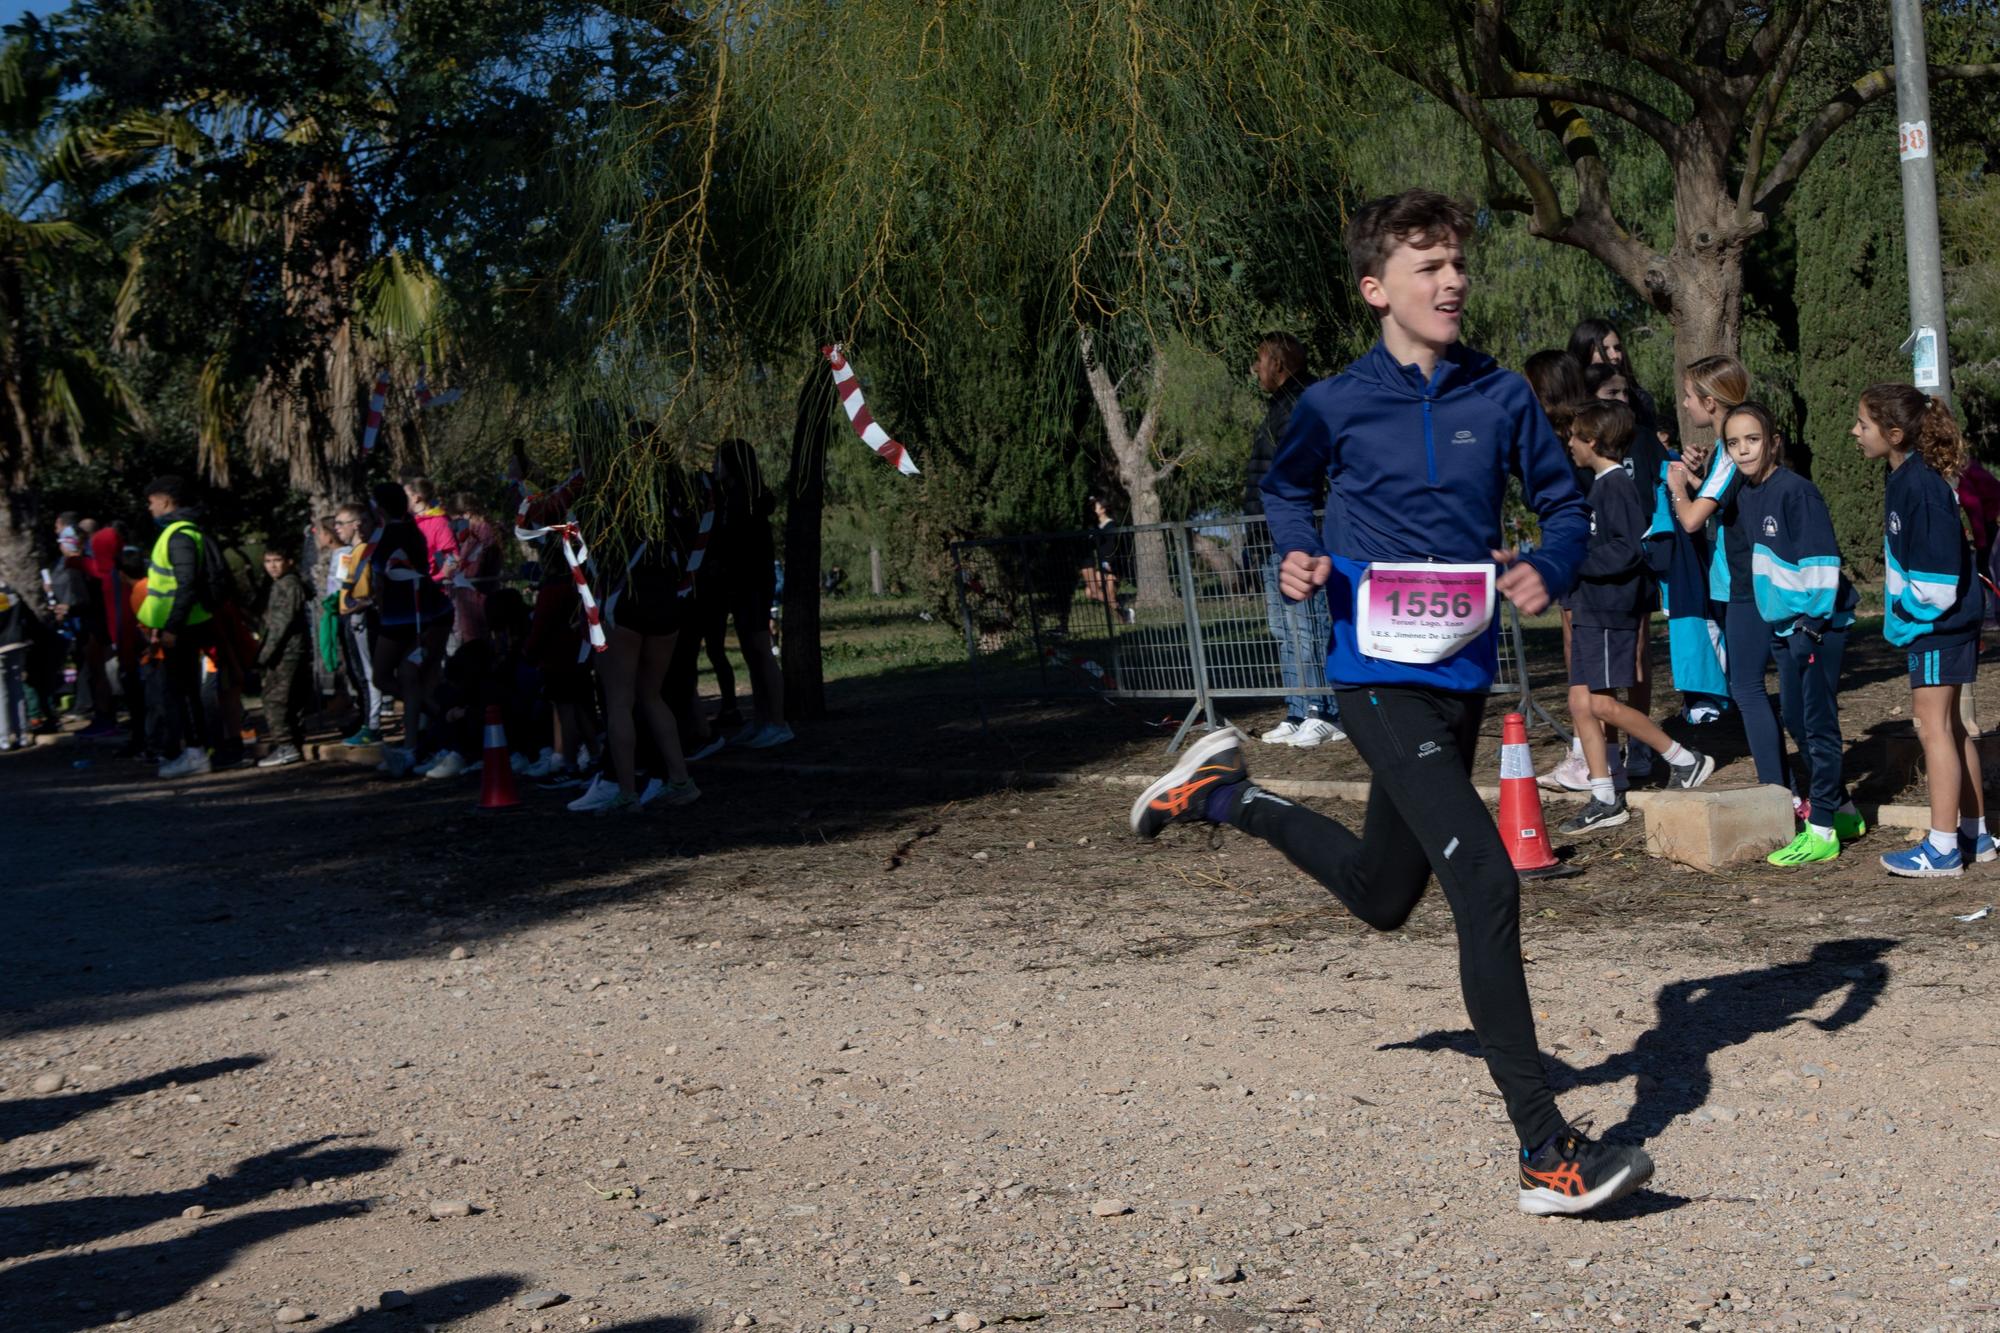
[{"x": 1160, "y": 611}]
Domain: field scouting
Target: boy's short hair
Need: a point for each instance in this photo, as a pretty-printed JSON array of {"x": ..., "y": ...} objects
[
  {"x": 390, "y": 499},
  {"x": 1422, "y": 218},
  {"x": 174, "y": 488},
  {"x": 1290, "y": 352},
  {"x": 1609, "y": 426},
  {"x": 283, "y": 550}
]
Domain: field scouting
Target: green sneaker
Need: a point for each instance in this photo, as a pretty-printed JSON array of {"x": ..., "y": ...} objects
[
  {"x": 1806, "y": 849},
  {"x": 1848, "y": 827}
]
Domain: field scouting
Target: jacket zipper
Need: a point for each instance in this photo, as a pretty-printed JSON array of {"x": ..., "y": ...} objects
[{"x": 1430, "y": 446}]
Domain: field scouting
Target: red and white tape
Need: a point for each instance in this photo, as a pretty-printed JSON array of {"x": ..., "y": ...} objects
[
  {"x": 1104, "y": 679},
  {"x": 442, "y": 398},
  {"x": 865, "y": 425},
  {"x": 701, "y": 535},
  {"x": 576, "y": 553},
  {"x": 376, "y": 402}
]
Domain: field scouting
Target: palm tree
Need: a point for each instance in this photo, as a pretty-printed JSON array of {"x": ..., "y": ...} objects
[{"x": 61, "y": 391}]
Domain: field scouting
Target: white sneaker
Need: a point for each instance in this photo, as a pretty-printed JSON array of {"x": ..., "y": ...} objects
[
  {"x": 653, "y": 791},
  {"x": 1315, "y": 732},
  {"x": 774, "y": 734},
  {"x": 583, "y": 757},
  {"x": 448, "y": 764},
  {"x": 283, "y": 755},
  {"x": 602, "y": 792},
  {"x": 548, "y": 762},
  {"x": 191, "y": 763},
  {"x": 519, "y": 763},
  {"x": 1572, "y": 774},
  {"x": 1282, "y": 734},
  {"x": 750, "y": 732},
  {"x": 714, "y": 743}
]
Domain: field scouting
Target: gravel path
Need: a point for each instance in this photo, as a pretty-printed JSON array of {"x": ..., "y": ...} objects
[{"x": 873, "y": 1060}]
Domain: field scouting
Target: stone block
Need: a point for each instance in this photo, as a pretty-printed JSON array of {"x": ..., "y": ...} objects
[
  {"x": 335, "y": 752},
  {"x": 1713, "y": 827}
]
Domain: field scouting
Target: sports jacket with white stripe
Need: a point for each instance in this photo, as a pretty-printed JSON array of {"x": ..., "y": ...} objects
[{"x": 1930, "y": 597}]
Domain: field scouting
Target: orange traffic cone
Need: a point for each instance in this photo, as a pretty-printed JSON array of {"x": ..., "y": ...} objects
[
  {"x": 496, "y": 785},
  {"x": 1522, "y": 827}
]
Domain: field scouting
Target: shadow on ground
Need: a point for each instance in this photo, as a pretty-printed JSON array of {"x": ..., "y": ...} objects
[
  {"x": 47, "y": 1293},
  {"x": 1695, "y": 1019}
]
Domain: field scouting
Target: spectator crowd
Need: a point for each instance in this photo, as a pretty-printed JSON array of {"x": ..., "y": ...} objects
[{"x": 401, "y": 620}]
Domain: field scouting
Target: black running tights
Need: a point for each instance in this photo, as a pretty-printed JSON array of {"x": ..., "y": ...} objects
[{"x": 1424, "y": 817}]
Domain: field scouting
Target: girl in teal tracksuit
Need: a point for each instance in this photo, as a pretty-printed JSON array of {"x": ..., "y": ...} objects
[
  {"x": 1932, "y": 608},
  {"x": 1800, "y": 605}
]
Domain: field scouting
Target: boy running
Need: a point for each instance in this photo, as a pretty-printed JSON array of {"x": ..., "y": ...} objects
[{"x": 1414, "y": 443}]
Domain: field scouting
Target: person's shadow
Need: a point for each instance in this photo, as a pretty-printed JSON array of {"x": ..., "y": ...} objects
[{"x": 1695, "y": 1019}]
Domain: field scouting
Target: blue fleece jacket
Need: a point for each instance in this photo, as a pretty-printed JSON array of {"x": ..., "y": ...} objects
[
  {"x": 1930, "y": 593},
  {"x": 1415, "y": 470}
]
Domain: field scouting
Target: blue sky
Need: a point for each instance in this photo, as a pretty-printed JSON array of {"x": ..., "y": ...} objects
[{"x": 13, "y": 9}]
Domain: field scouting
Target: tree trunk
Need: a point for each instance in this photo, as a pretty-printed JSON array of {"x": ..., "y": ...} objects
[
  {"x": 306, "y": 411},
  {"x": 1707, "y": 316},
  {"x": 1703, "y": 295},
  {"x": 19, "y": 566},
  {"x": 1132, "y": 452},
  {"x": 805, "y": 503}
]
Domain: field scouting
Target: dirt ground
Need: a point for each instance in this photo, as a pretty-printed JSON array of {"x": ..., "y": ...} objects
[{"x": 842, "y": 1049}]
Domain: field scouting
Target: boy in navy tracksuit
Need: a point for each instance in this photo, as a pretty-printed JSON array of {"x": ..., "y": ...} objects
[
  {"x": 1414, "y": 444},
  {"x": 1610, "y": 608}
]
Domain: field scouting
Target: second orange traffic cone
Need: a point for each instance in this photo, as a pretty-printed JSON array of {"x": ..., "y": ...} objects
[
  {"x": 1522, "y": 827},
  {"x": 496, "y": 775}
]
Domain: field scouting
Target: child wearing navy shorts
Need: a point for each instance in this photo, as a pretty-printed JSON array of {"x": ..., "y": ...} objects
[
  {"x": 1932, "y": 608},
  {"x": 1609, "y": 610}
]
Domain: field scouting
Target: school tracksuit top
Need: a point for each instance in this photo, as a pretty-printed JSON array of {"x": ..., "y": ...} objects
[
  {"x": 1415, "y": 470},
  {"x": 1930, "y": 593},
  {"x": 1795, "y": 576}
]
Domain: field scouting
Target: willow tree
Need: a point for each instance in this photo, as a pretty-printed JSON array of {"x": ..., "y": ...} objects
[
  {"x": 1072, "y": 174},
  {"x": 1716, "y": 86}
]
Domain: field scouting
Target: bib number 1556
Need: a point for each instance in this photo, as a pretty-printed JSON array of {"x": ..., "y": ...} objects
[{"x": 1441, "y": 606}]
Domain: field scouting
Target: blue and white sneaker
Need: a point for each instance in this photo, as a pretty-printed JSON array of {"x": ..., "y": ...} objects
[
  {"x": 1924, "y": 861},
  {"x": 1983, "y": 850}
]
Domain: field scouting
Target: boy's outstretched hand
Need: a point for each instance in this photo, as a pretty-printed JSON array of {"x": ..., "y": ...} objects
[
  {"x": 1521, "y": 583},
  {"x": 1301, "y": 575}
]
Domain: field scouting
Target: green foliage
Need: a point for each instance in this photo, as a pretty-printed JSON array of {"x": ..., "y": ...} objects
[{"x": 1853, "y": 302}]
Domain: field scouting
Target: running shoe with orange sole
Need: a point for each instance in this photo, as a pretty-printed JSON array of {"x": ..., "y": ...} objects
[
  {"x": 1573, "y": 1173},
  {"x": 1181, "y": 797}
]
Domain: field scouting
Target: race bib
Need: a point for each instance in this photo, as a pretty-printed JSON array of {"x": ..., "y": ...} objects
[{"x": 1421, "y": 612}]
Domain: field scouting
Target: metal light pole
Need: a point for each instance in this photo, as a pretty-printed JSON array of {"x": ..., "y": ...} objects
[{"x": 1929, "y": 354}]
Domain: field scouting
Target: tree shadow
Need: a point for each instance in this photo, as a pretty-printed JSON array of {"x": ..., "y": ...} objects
[
  {"x": 137, "y": 897},
  {"x": 36, "y": 1115},
  {"x": 1695, "y": 1019},
  {"x": 31, "y": 1228},
  {"x": 40, "y": 1294},
  {"x": 28, "y": 1175},
  {"x": 435, "y": 1305}
]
